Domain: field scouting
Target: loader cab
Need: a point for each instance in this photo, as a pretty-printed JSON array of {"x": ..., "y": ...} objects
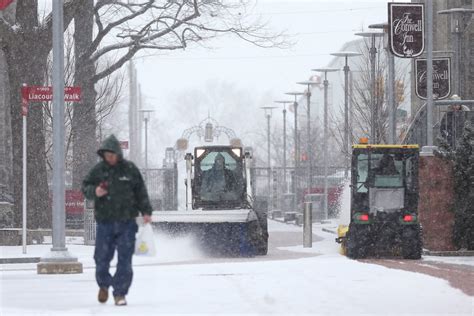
[
  {"x": 219, "y": 178},
  {"x": 384, "y": 180}
]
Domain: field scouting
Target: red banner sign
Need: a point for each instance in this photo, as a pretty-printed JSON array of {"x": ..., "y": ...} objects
[
  {"x": 74, "y": 202},
  {"x": 45, "y": 94},
  {"x": 4, "y": 4}
]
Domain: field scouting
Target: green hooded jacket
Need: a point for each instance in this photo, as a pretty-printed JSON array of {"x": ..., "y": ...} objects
[{"x": 127, "y": 195}]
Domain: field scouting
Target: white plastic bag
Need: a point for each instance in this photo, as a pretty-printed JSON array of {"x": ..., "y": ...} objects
[{"x": 145, "y": 243}]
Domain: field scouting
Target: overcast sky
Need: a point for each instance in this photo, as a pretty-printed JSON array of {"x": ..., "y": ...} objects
[{"x": 319, "y": 27}]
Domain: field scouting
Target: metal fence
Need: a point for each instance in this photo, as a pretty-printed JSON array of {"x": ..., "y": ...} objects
[
  {"x": 448, "y": 128},
  {"x": 281, "y": 195},
  {"x": 162, "y": 185}
]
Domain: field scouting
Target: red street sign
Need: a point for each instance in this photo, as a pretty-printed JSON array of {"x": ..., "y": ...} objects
[
  {"x": 124, "y": 144},
  {"x": 4, "y": 4},
  {"x": 24, "y": 101},
  {"x": 72, "y": 94},
  {"x": 45, "y": 94},
  {"x": 74, "y": 202}
]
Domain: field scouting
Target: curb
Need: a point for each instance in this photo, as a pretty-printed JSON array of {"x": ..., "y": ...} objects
[
  {"x": 459, "y": 253},
  {"x": 19, "y": 260}
]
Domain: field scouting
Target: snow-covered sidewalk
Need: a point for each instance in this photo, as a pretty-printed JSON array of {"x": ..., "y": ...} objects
[{"x": 326, "y": 284}]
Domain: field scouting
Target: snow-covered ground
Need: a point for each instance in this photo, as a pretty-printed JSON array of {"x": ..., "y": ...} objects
[{"x": 181, "y": 281}]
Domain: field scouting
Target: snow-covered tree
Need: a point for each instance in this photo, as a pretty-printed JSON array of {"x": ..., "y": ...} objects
[{"x": 464, "y": 190}]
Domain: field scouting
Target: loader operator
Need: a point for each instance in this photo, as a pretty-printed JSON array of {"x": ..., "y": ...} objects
[{"x": 218, "y": 180}]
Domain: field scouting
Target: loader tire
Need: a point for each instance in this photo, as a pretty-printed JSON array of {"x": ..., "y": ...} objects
[{"x": 262, "y": 233}]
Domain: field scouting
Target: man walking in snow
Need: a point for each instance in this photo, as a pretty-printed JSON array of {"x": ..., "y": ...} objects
[{"x": 119, "y": 193}]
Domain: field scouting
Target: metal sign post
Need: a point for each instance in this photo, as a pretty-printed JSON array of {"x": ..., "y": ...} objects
[
  {"x": 36, "y": 94},
  {"x": 24, "y": 113}
]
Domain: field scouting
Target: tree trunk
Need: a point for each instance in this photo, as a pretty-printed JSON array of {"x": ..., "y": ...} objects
[
  {"x": 26, "y": 58},
  {"x": 84, "y": 122}
]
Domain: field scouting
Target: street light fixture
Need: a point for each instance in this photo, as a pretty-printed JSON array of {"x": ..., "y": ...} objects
[
  {"x": 296, "y": 94},
  {"x": 268, "y": 114},
  {"x": 146, "y": 117},
  {"x": 285, "y": 103},
  {"x": 460, "y": 20},
  {"x": 325, "y": 134},
  {"x": 346, "y": 55},
  {"x": 374, "y": 109},
  {"x": 390, "y": 83},
  {"x": 309, "y": 84}
]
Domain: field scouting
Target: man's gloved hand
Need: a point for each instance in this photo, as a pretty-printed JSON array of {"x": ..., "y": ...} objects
[{"x": 146, "y": 219}]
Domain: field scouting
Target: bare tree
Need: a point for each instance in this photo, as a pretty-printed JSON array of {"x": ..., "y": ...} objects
[
  {"x": 122, "y": 29},
  {"x": 361, "y": 101},
  {"x": 26, "y": 42},
  {"x": 108, "y": 96}
]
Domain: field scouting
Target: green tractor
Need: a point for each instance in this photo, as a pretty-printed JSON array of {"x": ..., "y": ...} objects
[{"x": 384, "y": 203}]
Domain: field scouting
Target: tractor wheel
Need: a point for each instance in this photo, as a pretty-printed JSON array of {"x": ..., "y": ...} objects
[
  {"x": 412, "y": 243},
  {"x": 357, "y": 241}
]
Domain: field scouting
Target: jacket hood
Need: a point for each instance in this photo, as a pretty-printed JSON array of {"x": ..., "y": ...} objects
[{"x": 111, "y": 144}]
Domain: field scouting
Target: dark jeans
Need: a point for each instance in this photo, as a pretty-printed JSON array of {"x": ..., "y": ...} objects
[{"x": 113, "y": 235}]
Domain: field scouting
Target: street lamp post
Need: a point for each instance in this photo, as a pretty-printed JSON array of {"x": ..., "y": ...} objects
[
  {"x": 309, "y": 148},
  {"x": 390, "y": 83},
  {"x": 296, "y": 145},
  {"x": 374, "y": 117},
  {"x": 268, "y": 114},
  {"x": 284, "y": 142},
  {"x": 460, "y": 20},
  {"x": 146, "y": 117},
  {"x": 346, "y": 55},
  {"x": 325, "y": 135},
  {"x": 58, "y": 260}
]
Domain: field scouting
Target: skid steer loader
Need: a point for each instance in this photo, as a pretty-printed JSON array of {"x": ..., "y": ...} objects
[
  {"x": 220, "y": 211},
  {"x": 384, "y": 203}
]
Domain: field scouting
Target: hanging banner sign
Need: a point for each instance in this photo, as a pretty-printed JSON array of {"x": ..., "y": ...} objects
[
  {"x": 441, "y": 78},
  {"x": 406, "y": 29}
]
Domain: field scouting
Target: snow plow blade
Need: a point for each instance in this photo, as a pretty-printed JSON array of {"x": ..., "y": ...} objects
[{"x": 222, "y": 232}]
